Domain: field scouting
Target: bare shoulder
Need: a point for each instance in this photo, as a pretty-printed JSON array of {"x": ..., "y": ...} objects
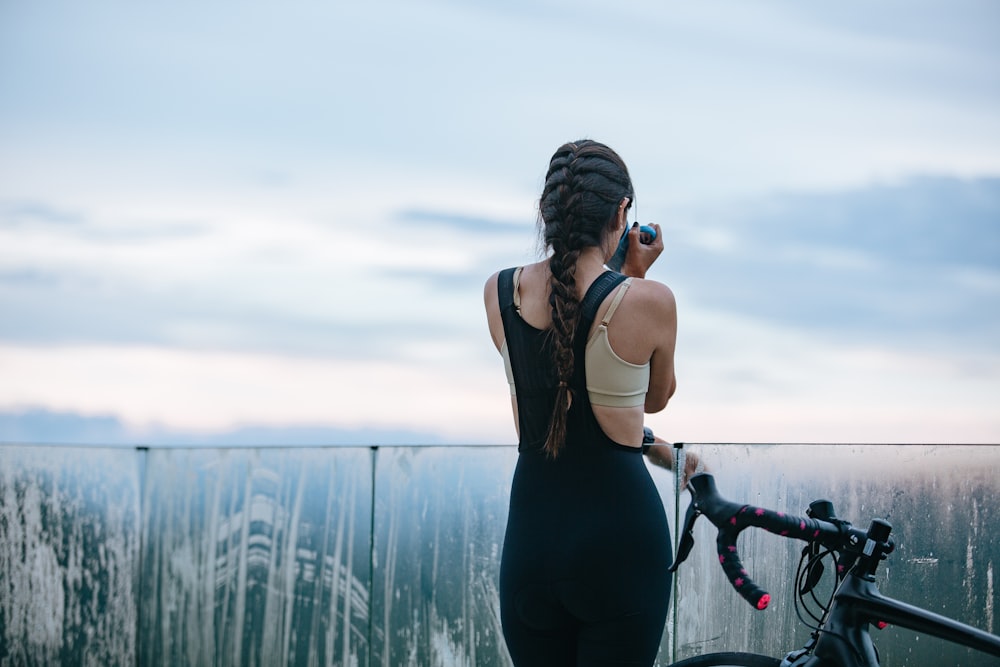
[
  {"x": 490, "y": 288},
  {"x": 492, "y": 302},
  {"x": 653, "y": 295}
]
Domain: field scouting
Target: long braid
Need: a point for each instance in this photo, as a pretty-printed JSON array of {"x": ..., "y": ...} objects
[
  {"x": 565, "y": 310},
  {"x": 583, "y": 187}
]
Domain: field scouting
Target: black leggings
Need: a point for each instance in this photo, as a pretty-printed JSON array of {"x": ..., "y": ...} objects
[{"x": 583, "y": 576}]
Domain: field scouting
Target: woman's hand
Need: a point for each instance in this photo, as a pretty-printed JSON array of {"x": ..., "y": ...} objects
[
  {"x": 661, "y": 453},
  {"x": 693, "y": 465},
  {"x": 640, "y": 256}
]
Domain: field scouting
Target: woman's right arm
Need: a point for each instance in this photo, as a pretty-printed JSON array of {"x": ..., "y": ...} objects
[
  {"x": 662, "y": 326},
  {"x": 659, "y": 325}
]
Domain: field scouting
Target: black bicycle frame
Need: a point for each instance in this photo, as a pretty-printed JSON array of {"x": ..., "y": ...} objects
[{"x": 845, "y": 639}]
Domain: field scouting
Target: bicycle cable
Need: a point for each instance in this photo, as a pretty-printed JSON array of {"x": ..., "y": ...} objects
[
  {"x": 825, "y": 606},
  {"x": 847, "y": 642},
  {"x": 805, "y": 570}
]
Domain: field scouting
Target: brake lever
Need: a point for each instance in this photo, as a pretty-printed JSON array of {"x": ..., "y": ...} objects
[
  {"x": 815, "y": 568},
  {"x": 687, "y": 536}
]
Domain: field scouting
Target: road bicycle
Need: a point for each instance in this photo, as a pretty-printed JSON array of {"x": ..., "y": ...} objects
[{"x": 840, "y": 636}]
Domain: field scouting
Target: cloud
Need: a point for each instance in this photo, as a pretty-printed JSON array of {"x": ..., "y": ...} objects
[
  {"x": 205, "y": 391},
  {"x": 265, "y": 278},
  {"x": 41, "y": 426},
  {"x": 900, "y": 264},
  {"x": 462, "y": 224},
  {"x": 925, "y": 219},
  {"x": 791, "y": 96},
  {"x": 23, "y": 213},
  {"x": 744, "y": 379},
  {"x": 798, "y": 323}
]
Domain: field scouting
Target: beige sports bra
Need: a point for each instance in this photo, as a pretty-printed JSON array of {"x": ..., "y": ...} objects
[{"x": 611, "y": 381}]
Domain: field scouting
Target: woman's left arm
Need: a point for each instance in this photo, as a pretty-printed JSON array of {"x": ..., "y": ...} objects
[{"x": 661, "y": 453}]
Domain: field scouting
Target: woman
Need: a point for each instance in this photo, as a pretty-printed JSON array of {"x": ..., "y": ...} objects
[{"x": 583, "y": 575}]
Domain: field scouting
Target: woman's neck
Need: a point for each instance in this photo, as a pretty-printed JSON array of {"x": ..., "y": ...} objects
[{"x": 591, "y": 261}]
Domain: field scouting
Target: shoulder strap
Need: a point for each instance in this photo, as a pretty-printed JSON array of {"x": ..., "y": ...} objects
[
  {"x": 614, "y": 302},
  {"x": 505, "y": 288},
  {"x": 599, "y": 290},
  {"x": 592, "y": 300},
  {"x": 517, "y": 291}
]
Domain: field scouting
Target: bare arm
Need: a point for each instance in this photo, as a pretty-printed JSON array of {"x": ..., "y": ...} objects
[
  {"x": 662, "y": 378},
  {"x": 492, "y": 302},
  {"x": 661, "y": 453},
  {"x": 660, "y": 310}
]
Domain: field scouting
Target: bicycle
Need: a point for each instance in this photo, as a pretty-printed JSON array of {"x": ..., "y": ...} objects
[{"x": 841, "y": 636}]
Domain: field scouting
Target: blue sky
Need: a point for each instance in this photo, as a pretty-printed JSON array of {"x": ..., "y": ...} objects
[{"x": 256, "y": 221}]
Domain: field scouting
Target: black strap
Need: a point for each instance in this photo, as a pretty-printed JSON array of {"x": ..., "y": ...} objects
[
  {"x": 598, "y": 291},
  {"x": 505, "y": 288},
  {"x": 592, "y": 300},
  {"x": 533, "y": 376}
]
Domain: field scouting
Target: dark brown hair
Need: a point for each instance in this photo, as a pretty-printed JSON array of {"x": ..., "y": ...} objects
[{"x": 584, "y": 186}]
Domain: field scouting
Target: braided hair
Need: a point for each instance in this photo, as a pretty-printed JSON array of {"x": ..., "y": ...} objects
[{"x": 584, "y": 186}]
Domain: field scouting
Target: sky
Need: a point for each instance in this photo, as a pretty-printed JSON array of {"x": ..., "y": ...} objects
[{"x": 270, "y": 223}]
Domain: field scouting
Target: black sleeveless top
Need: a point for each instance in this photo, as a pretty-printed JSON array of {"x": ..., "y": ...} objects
[{"x": 534, "y": 371}]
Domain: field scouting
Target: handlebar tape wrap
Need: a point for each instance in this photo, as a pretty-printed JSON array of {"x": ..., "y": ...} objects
[{"x": 778, "y": 523}]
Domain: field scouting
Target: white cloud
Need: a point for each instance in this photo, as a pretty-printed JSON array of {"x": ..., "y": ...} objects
[
  {"x": 741, "y": 380},
  {"x": 216, "y": 390}
]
